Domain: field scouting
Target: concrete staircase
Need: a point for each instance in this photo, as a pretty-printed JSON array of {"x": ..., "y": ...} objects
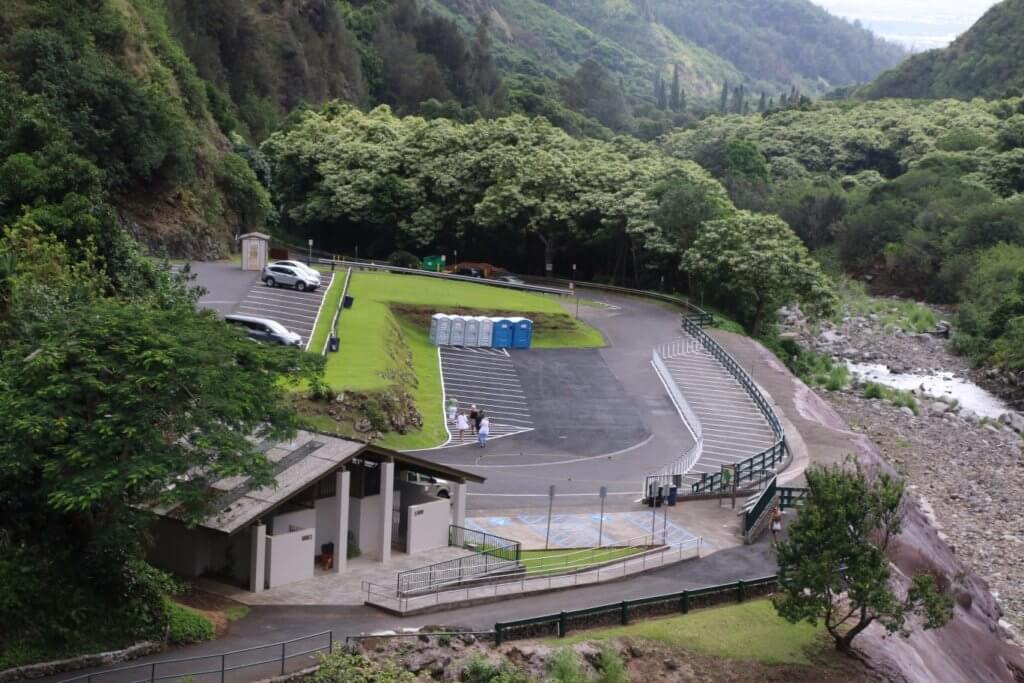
[{"x": 734, "y": 428}]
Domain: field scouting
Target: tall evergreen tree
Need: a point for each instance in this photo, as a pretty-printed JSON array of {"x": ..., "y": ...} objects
[
  {"x": 763, "y": 104},
  {"x": 682, "y": 99},
  {"x": 723, "y": 105},
  {"x": 659, "y": 91},
  {"x": 771, "y": 103},
  {"x": 674, "y": 102}
]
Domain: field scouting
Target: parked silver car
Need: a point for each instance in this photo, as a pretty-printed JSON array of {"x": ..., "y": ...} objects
[
  {"x": 299, "y": 266},
  {"x": 287, "y": 276},
  {"x": 439, "y": 488},
  {"x": 265, "y": 330}
]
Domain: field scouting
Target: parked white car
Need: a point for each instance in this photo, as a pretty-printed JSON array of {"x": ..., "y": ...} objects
[
  {"x": 287, "y": 276},
  {"x": 298, "y": 265},
  {"x": 439, "y": 488}
]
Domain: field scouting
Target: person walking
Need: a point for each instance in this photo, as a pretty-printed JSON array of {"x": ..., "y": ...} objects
[
  {"x": 475, "y": 415},
  {"x": 483, "y": 431},
  {"x": 776, "y": 524},
  {"x": 462, "y": 424},
  {"x": 453, "y": 408}
]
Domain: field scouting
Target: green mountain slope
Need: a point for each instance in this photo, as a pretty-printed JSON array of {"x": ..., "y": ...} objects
[
  {"x": 766, "y": 45},
  {"x": 985, "y": 61}
]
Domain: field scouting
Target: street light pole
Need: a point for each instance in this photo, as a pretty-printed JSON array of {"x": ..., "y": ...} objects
[
  {"x": 600, "y": 525},
  {"x": 551, "y": 503},
  {"x": 309, "y": 259}
]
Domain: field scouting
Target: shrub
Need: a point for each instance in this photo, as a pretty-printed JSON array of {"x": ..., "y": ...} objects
[
  {"x": 565, "y": 667},
  {"x": 347, "y": 667},
  {"x": 404, "y": 259},
  {"x": 187, "y": 626},
  {"x": 479, "y": 670},
  {"x": 611, "y": 667},
  {"x": 874, "y": 390}
]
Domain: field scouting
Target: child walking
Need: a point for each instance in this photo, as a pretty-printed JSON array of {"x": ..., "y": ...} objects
[
  {"x": 483, "y": 431},
  {"x": 462, "y": 424}
]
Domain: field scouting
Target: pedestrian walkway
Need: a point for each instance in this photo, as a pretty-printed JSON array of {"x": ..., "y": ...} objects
[
  {"x": 298, "y": 311},
  {"x": 488, "y": 379},
  {"x": 734, "y": 428}
]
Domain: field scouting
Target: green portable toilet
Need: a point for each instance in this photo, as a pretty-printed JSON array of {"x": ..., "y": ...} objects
[{"x": 435, "y": 264}]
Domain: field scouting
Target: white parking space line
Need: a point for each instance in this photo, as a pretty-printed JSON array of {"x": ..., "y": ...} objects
[
  {"x": 488, "y": 379},
  {"x": 298, "y": 311}
]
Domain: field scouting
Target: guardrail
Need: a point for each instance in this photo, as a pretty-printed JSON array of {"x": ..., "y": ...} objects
[
  {"x": 681, "y": 466},
  {"x": 621, "y": 612},
  {"x": 337, "y": 313},
  {"x": 444, "y": 276},
  {"x": 258, "y": 662},
  {"x": 792, "y": 496},
  {"x": 764, "y": 460},
  {"x": 567, "y": 575},
  {"x": 473, "y": 539},
  {"x": 696, "y": 313}
]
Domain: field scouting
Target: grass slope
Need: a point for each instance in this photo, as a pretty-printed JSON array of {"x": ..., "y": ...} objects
[
  {"x": 330, "y": 305},
  {"x": 749, "y": 631},
  {"x": 546, "y": 561},
  {"x": 363, "y": 359}
]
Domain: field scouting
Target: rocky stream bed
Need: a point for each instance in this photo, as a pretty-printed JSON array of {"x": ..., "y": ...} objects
[{"x": 966, "y": 465}]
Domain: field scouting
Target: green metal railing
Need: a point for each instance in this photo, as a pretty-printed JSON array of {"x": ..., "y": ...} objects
[
  {"x": 764, "y": 460},
  {"x": 791, "y": 496},
  {"x": 622, "y": 612},
  {"x": 764, "y": 499}
]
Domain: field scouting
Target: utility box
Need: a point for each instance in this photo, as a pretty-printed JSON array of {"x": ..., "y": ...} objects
[
  {"x": 440, "y": 329},
  {"x": 458, "y": 331},
  {"x": 522, "y": 333},
  {"x": 501, "y": 333},
  {"x": 435, "y": 264},
  {"x": 255, "y": 246},
  {"x": 472, "y": 336},
  {"x": 486, "y": 332},
  {"x": 333, "y": 344}
]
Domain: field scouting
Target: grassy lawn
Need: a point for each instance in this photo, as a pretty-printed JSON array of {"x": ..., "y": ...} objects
[
  {"x": 323, "y": 323},
  {"x": 540, "y": 561},
  {"x": 363, "y": 359},
  {"x": 748, "y": 631}
]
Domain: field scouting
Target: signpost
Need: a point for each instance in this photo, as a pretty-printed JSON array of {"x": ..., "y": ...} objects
[
  {"x": 551, "y": 503},
  {"x": 600, "y": 525}
]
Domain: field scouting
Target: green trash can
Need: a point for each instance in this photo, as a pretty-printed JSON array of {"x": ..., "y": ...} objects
[{"x": 435, "y": 264}]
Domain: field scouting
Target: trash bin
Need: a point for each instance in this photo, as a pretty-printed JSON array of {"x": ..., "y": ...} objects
[
  {"x": 347, "y": 302},
  {"x": 673, "y": 494},
  {"x": 435, "y": 264},
  {"x": 501, "y": 331},
  {"x": 333, "y": 344}
]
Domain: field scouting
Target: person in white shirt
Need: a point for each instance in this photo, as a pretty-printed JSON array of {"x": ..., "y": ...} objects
[
  {"x": 462, "y": 424},
  {"x": 485, "y": 429}
]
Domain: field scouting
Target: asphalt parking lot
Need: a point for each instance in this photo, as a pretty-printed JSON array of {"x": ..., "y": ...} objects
[
  {"x": 229, "y": 289},
  {"x": 295, "y": 310},
  {"x": 488, "y": 379}
]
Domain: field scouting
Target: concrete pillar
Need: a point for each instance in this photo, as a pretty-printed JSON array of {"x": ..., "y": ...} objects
[
  {"x": 387, "y": 497},
  {"x": 341, "y": 487},
  {"x": 258, "y": 558},
  {"x": 459, "y": 505}
]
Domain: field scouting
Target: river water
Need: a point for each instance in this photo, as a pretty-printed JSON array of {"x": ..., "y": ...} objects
[{"x": 939, "y": 385}]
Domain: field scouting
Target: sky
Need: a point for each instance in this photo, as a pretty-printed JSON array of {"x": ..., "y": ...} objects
[{"x": 917, "y": 24}]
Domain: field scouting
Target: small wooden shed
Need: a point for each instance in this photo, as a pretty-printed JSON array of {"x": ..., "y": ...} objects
[{"x": 254, "y": 250}]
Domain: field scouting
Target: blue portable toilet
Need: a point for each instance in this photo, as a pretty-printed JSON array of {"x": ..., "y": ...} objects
[
  {"x": 522, "y": 332},
  {"x": 501, "y": 333}
]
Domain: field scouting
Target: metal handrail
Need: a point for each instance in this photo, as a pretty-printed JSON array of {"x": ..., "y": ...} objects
[
  {"x": 765, "y": 459},
  {"x": 682, "y": 465},
  {"x": 337, "y": 313}
]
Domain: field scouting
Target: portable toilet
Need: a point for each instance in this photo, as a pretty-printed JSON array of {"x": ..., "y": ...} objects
[
  {"x": 522, "y": 333},
  {"x": 501, "y": 333},
  {"x": 486, "y": 332},
  {"x": 440, "y": 329},
  {"x": 458, "y": 331},
  {"x": 472, "y": 336}
]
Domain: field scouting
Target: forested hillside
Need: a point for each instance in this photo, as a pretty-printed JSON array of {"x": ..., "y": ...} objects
[{"x": 986, "y": 61}]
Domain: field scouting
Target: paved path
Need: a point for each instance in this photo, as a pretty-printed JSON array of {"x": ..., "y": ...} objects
[
  {"x": 734, "y": 428},
  {"x": 266, "y": 624}
]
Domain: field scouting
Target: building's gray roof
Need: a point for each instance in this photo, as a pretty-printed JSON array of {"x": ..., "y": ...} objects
[{"x": 297, "y": 464}]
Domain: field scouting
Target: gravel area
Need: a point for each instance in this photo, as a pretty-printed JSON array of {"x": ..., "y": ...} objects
[{"x": 968, "y": 471}]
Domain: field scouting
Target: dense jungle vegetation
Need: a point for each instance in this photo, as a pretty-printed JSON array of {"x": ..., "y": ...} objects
[{"x": 656, "y": 144}]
